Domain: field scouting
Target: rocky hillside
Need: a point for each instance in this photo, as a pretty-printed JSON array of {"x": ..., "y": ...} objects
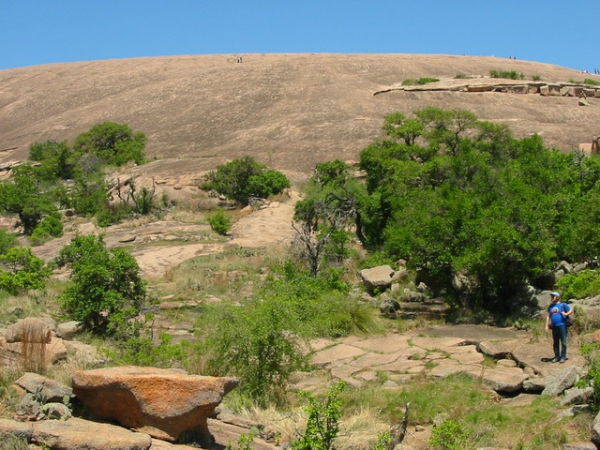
[{"x": 285, "y": 110}]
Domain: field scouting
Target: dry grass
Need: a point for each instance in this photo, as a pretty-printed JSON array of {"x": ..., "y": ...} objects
[
  {"x": 358, "y": 430},
  {"x": 221, "y": 275},
  {"x": 33, "y": 337}
]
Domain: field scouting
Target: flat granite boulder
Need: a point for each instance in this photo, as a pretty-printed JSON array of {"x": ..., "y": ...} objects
[
  {"x": 74, "y": 434},
  {"x": 163, "y": 403}
]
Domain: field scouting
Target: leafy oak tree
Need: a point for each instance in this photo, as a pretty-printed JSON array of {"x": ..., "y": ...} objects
[
  {"x": 106, "y": 289},
  {"x": 243, "y": 178},
  {"x": 22, "y": 270},
  {"x": 476, "y": 212},
  {"x": 26, "y": 196},
  {"x": 114, "y": 143}
]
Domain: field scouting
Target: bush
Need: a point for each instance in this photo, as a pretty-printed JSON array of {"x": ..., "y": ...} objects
[
  {"x": 322, "y": 426},
  {"x": 23, "y": 271},
  {"x": 243, "y": 178},
  {"x": 114, "y": 143},
  {"x": 106, "y": 289},
  {"x": 591, "y": 82},
  {"x": 427, "y": 80},
  {"x": 254, "y": 342},
  {"x": 141, "y": 351},
  {"x": 449, "y": 435},
  {"x": 109, "y": 215},
  {"x": 7, "y": 241},
  {"x": 27, "y": 196},
  {"x": 219, "y": 222},
  {"x": 579, "y": 285},
  {"x": 420, "y": 81},
  {"x": 259, "y": 340},
  {"x": 591, "y": 352},
  {"x": 51, "y": 226},
  {"x": 57, "y": 160},
  {"x": 510, "y": 74}
]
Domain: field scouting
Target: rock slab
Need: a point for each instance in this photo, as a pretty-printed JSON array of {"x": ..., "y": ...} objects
[{"x": 163, "y": 403}]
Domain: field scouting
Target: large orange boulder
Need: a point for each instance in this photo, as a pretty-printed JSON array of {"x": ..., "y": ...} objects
[{"x": 163, "y": 403}]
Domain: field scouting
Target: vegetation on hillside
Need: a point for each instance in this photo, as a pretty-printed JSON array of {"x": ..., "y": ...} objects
[
  {"x": 476, "y": 212},
  {"x": 244, "y": 178},
  {"x": 57, "y": 177},
  {"x": 106, "y": 291},
  {"x": 510, "y": 74}
]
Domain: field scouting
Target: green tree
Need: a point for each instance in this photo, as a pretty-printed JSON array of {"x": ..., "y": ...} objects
[
  {"x": 243, "y": 178},
  {"x": 327, "y": 213},
  {"x": 25, "y": 195},
  {"x": 106, "y": 289},
  {"x": 114, "y": 143},
  {"x": 22, "y": 271},
  {"x": 475, "y": 211},
  {"x": 49, "y": 227},
  {"x": 90, "y": 194},
  {"x": 7, "y": 241},
  {"x": 57, "y": 160}
]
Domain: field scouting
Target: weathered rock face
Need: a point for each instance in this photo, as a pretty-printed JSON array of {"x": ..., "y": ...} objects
[
  {"x": 379, "y": 277},
  {"x": 30, "y": 329},
  {"x": 75, "y": 434},
  {"x": 49, "y": 390},
  {"x": 163, "y": 403}
]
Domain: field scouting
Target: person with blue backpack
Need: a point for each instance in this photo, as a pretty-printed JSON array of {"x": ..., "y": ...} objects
[{"x": 557, "y": 322}]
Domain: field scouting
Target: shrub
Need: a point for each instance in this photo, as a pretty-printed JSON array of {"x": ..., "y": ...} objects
[
  {"x": 510, "y": 74},
  {"x": 253, "y": 342},
  {"x": 219, "y": 222},
  {"x": 322, "y": 425},
  {"x": 579, "y": 285},
  {"x": 591, "y": 352},
  {"x": 57, "y": 160},
  {"x": 90, "y": 195},
  {"x": 589, "y": 81},
  {"x": 420, "y": 81},
  {"x": 427, "y": 80},
  {"x": 536, "y": 78},
  {"x": 259, "y": 340},
  {"x": 23, "y": 271},
  {"x": 106, "y": 289},
  {"x": 410, "y": 82},
  {"x": 141, "y": 351},
  {"x": 7, "y": 241},
  {"x": 460, "y": 76},
  {"x": 449, "y": 435},
  {"x": 50, "y": 226},
  {"x": 114, "y": 143},
  {"x": 27, "y": 196},
  {"x": 243, "y": 178},
  {"x": 109, "y": 215}
]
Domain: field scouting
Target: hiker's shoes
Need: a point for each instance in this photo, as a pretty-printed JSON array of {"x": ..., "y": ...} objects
[
  {"x": 555, "y": 360},
  {"x": 563, "y": 360}
]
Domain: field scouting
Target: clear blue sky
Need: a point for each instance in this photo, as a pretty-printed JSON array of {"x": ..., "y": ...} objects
[{"x": 36, "y": 32}]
